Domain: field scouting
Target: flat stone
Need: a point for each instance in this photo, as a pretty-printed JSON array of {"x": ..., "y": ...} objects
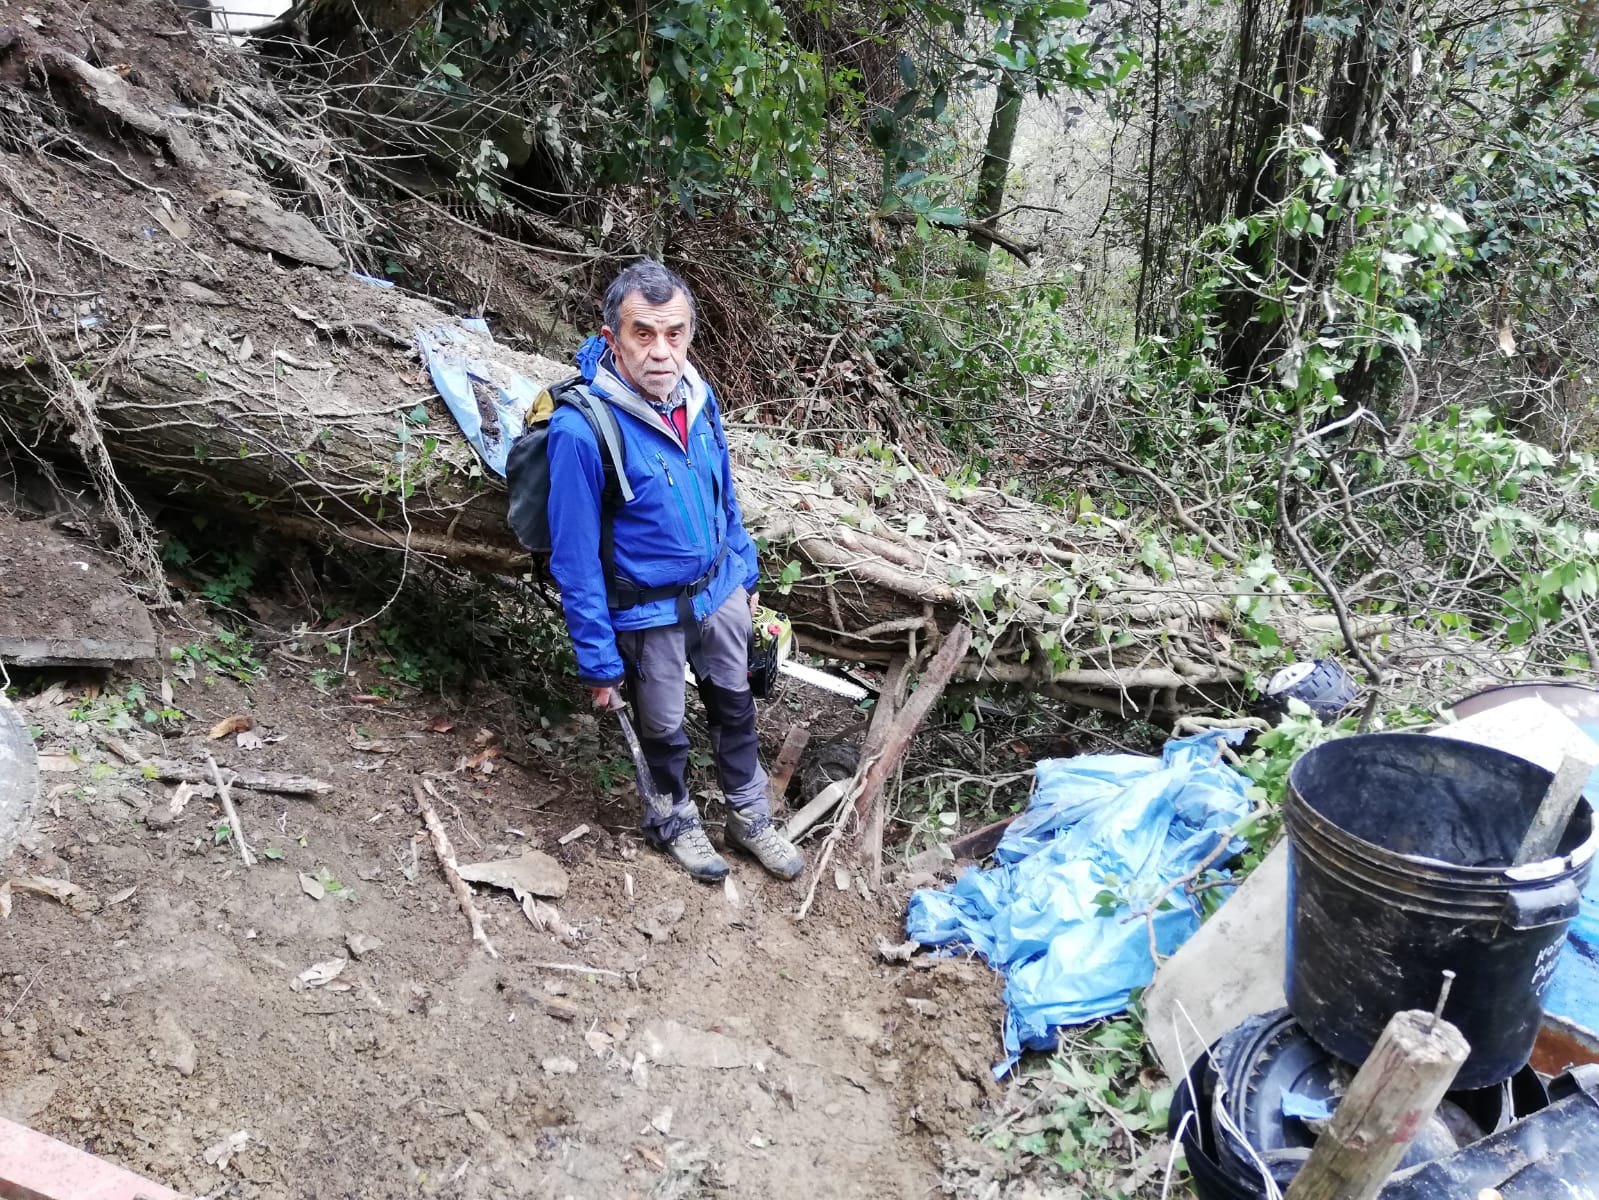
[
  {"x": 252, "y": 221},
  {"x": 531, "y": 874},
  {"x": 61, "y": 603},
  {"x": 198, "y": 294},
  {"x": 173, "y": 1046}
]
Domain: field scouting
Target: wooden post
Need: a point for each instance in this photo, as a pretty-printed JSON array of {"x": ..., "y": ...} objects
[
  {"x": 783, "y": 769},
  {"x": 1392, "y": 1096}
]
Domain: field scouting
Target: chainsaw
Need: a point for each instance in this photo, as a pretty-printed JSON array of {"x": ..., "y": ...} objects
[{"x": 770, "y": 658}]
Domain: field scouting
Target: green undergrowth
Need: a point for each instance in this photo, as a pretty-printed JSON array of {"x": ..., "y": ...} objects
[{"x": 1090, "y": 1116}]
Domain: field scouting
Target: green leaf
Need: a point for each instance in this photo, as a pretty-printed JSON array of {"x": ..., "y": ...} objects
[
  {"x": 657, "y": 92},
  {"x": 907, "y": 69},
  {"x": 450, "y": 69},
  {"x": 272, "y": 852}
]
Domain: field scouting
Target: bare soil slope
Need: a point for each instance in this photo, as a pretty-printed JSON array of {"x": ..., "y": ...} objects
[{"x": 716, "y": 1046}]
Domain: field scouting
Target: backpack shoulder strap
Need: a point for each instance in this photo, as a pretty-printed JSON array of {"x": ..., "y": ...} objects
[
  {"x": 617, "y": 491},
  {"x": 606, "y": 431}
]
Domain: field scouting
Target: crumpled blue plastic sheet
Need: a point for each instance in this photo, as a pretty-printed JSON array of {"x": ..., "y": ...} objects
[
  {"x": 1307, "y": 1108},
  {"x": 1574, "y": 990},
  {"x": 449, "y": 356},
  {"x": 1061, "y": 915}
]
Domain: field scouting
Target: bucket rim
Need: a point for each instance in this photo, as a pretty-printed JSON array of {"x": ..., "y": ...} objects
[
  {"x": 1507, "y": 876},
  {"x": 1571, "y": 861}
]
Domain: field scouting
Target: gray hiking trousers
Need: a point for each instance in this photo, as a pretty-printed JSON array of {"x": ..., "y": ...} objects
[{"x": 656, "y": 688}]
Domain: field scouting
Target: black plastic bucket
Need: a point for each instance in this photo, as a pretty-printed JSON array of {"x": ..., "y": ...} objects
[{"x": 1399, "y": 852}]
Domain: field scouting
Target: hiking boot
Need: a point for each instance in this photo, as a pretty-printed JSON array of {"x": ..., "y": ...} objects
[
  {"x": 692, "y": 850},
  {"x": 757, "y": 835}
]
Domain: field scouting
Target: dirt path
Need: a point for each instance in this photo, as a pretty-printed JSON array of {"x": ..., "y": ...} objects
[{"x": 737, "y": 1052}]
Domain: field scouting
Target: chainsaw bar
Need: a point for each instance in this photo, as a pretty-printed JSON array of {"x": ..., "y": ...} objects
[{"x": 821, "y": 679}]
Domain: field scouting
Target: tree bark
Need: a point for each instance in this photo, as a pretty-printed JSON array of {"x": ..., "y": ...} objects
[{"x": 990, "y": 196}]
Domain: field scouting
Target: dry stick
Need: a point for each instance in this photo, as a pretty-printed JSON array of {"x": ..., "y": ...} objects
[
  {"x": 232, "y": 813},
  {"x": 1396, "y": 1090},
  {"x": 1334, "y": 596},
  {"x": 888, "y": 707},
  {"x": 1554, "y": 813},
  {"x": 452, "y": 873},
  {"x": 897, "y": 738},
  {"x": 168, "y": 771}
]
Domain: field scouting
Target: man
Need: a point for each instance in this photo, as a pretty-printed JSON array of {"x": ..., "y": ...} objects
[{"x": 686, "y": 576}]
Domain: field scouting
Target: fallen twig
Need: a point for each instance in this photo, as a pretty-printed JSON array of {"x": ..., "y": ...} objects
[
  {"x": 234, "y": 827},
  {"x": 578, "y": 969},
  {"x": 452, "y": 873},
  {"x": 168, "y": 771},
  {"x": 895, "y": 740}
]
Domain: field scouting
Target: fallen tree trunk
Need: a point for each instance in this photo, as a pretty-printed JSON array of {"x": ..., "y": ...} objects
[{"x": 215, "y": 356}]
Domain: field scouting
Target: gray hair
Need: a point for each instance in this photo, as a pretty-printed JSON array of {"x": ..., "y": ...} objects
[{"x": 652, "y": 281}]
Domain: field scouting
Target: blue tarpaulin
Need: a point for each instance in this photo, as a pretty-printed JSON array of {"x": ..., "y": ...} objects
[
  {"x": 1061, "y": 916},
  {"x": 462, "y": 376}
]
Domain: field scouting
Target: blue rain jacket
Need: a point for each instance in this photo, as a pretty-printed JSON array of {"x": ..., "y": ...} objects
[{"x": 683, "y": 509}]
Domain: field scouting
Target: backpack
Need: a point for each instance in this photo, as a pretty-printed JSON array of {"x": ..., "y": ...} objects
[{"x": 527, "y": 469}]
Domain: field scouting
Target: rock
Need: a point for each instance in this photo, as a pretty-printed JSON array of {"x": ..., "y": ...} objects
[
  {"x": 657, "y": 923},
  {"x": 198, "y": 294},
  {"x": 70, "y": 609},
  {"x": 531, "y": 874},
  {"x": 173, "y": 1047},
  {"x": 59, "y": 1050},
  {"x": 562, "y": 1010},
  {"x": 559, "y": 1065},
  {"x": 254, "y": 222},
  {"x": 359, "y": 944},
  {"x": 861, "y": 1028},
  {"x": 27, "y": 1099},
  {"x": 159, "y": 818}
]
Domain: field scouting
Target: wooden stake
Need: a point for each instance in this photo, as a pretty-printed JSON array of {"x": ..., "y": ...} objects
[
  {"x": 783, "y": 769},
  {"x": 452, "y": 872},
  {"x": 231, "y": 813},
  {"x": 1542, "y": 838},
  {"x": 1394, "y": 1094}
]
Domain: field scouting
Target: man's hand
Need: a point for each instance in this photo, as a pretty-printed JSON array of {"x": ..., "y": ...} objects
[
  {"x": 755, "y": 603},
  {"x": 604, "y": 697}
]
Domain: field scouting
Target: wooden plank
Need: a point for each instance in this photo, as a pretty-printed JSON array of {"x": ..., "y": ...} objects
[
  {"x": 782, "y": 771},
  {"x": 980, "y": 843},
  {"x": 34, "y": 1166}
]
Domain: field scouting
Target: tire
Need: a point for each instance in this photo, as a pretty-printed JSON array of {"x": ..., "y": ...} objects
[{"x": 19, "y": 778}]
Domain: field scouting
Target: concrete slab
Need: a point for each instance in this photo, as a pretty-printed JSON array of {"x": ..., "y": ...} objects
[
  {"x": 34, "y": 1166},
  {"x": 62, "y": 604}
]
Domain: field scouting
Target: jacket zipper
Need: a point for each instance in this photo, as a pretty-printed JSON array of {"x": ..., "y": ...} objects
[
  {"x": 682, "y": 506},
  {"x": 705, "y": 512}
]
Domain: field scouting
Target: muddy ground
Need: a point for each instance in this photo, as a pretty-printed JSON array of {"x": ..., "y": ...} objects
[{"x": 726, "y": 1050}]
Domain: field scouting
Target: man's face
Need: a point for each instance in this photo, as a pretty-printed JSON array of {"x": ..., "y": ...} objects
[{"x": 651, "y": 347}]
